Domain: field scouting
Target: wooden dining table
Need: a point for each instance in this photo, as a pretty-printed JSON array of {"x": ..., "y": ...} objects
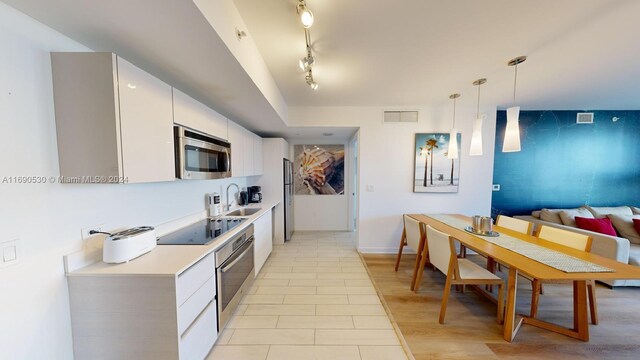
[{"x": 520, "y": 264}]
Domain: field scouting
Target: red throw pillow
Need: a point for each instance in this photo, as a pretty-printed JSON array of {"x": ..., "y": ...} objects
[
  {"x": 602, "y": 226},
  {"x": 636, "y": 224}
]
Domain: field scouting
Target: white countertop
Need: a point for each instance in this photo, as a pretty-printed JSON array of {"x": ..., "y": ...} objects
[{"x": 169, "y": 260}]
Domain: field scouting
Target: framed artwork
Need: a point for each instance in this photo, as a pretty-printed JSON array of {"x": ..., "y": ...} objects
[
  {"x": 318, "y": 169},
  {"x": 433, "y": 171}
]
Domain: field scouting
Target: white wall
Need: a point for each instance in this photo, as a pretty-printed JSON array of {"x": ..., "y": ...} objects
[
  {"x": 47, "y": 218},
  {"x": 386, "y": 163},
  {"x": 322, "y": 212}
]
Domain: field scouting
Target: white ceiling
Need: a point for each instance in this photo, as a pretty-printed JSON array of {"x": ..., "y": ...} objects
[{"x": 583, "y": 54}]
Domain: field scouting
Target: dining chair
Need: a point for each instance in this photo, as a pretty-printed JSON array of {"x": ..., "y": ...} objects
[
  {"x": 573, "y": 240},
  {"x": 459, "y": 271},
  {"x": 519, "y": 225},
  {"x": 413, "y": 236}
]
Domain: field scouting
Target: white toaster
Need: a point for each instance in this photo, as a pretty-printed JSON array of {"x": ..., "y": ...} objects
[{"x": 128, "y": 244}]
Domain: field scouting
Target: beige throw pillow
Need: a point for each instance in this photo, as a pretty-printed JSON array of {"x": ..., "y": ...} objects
[
  {"x": 552, "y": 215},
  {"x": 536, "y": 214},
  {"x": 602, "y": 212},
  {"x": 635, "y": 210},
  {"x": 568, "y": 217},
  {"x": 624, "y": 227}
]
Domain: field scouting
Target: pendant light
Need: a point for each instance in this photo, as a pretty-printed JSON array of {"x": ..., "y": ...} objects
[
  {"x": 512, "y": 132},
  {"x": 453, "y": 137},
  {"x": 476, "y": 137}
]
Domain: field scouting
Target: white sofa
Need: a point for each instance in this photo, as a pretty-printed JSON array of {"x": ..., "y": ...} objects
[{"x": 613, "y": 247}]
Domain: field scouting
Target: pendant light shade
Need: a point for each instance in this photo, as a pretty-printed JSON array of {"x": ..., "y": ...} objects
[
  {"x": 452, "y": 152},
  {"x": 476, "y": 137},
  {"x": 512, "y": 132}
]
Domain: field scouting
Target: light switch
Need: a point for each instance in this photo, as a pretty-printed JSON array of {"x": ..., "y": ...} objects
[
  {"x": 10, "y": 252},
  {"x": 496, "y": 187}
]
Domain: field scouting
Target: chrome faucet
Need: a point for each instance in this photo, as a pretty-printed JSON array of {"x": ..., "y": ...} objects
[{"x": 228, "y": 205}]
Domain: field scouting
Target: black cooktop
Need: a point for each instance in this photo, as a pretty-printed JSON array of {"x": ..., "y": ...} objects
[{"x": 201, "y": 233}]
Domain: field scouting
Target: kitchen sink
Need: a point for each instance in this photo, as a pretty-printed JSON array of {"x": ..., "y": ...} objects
[{"x": 243, "y": 212}]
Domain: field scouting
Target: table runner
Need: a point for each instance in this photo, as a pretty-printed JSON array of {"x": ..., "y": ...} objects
[{"x": 541, "y": 254}]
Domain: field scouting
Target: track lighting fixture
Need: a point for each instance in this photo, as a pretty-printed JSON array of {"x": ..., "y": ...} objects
[{"x": 307, "y": 62}]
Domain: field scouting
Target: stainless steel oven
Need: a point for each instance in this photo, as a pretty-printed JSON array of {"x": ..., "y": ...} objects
[
  {"x": 200, "y": 156},
  {"x": 234, "y": 273}
]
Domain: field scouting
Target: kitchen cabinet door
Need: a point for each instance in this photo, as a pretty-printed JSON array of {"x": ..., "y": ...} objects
[
  {"x": 146, "y": 125},
  {"x": 257, "y": 155},
  {"x": 249, "y": 169},
  {"x": 236, "y": 138},
  {"x": 263, "y": 233},
  {"x": 197, "y": 116}
]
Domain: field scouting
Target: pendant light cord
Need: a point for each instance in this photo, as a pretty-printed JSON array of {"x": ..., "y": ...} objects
[
  {"x": 515, "y": 80},
  {"x": 478, "y": 108}
]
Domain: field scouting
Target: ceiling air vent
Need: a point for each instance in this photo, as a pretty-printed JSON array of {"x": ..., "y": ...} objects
[
  {"x": 394, "y": 116},
  {"x": 584, "y": 118}
]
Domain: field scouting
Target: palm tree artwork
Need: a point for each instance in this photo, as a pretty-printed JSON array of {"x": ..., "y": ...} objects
[
  {"x": 431, "y": 144},
  {"x": 425, "y": 152},
  {"x": 446, "y": 154}
]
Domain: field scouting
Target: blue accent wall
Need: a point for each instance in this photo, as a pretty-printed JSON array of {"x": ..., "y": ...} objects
[{"x": 565, "y": 165}]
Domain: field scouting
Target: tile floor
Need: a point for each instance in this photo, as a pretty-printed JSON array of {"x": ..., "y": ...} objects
[{"x": 313, "y": 299}]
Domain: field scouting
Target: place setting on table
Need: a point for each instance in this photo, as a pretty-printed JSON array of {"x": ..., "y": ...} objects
[{"x": 550, "y": 255}]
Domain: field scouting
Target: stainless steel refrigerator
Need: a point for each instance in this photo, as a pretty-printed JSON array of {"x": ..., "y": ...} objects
[{"x": 288, "y": 199}]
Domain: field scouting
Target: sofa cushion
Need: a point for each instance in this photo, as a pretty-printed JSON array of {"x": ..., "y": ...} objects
[
  {"x": 536, "y": 214},
  {"x": 602, "y": 212},
  {"x": 602, "y": 226},
  {"x": 635, "y": 210},
  {"x": 568, "y": 216},
  {"x": 634, "y": 255},
  {"x": 624, "y": 226},
  {"x": 551, "y": 215}
]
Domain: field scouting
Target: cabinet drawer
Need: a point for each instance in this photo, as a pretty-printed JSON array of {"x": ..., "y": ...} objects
[
  {"x": 188, "y": 311},
  {"x": 190, "y": 280},
  {"x": 200, "y": 337}
]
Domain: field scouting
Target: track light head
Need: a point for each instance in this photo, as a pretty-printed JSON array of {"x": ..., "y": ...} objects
[
  {"x": 307, "y": 62},
  {"x": 309, "y": 79},
  {"x": 306, "y": 16}
]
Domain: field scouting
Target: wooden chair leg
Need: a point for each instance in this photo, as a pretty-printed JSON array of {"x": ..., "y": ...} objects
[
  {"x": 593, "y": 307},
  {"x": 445, "y": 298},
  {"x": 541, "y": 289},
  {"x": 501, "y": 304},
  {"x": 402, "y": 240},
  {"x": 463, "y": 251},
  {"x": 535, "y": 297},
  {"x": 416, "y": 269},
  {"x": 419, "y": 270}
]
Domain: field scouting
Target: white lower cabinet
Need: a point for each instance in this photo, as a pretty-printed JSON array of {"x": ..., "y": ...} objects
[
  {"x": 263, "y": 243},
  {"x": 145, "y": 316}
]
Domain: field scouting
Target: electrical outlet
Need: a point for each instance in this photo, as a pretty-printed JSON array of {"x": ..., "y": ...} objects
[{"x": 88, "y": 239}]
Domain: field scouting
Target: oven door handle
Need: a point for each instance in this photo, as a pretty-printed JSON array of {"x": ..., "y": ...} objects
[{"x": 244, "y": 253}]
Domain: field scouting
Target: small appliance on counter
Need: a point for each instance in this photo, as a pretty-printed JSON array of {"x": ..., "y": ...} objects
[
  {"x": 255, "y": 196},
  {"x": 213, "y": 204},
  {"x": 244, "y": 198},
  {"x": 128, "y": 244}
]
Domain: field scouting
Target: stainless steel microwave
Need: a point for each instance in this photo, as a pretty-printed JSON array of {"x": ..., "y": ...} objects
[{"x": 200, "y": 156}]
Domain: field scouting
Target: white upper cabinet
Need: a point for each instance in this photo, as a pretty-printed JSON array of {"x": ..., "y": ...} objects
[
  {"x": 257, "y": 155},
  {"x": 248, "y": 153},
  {"x": 114, "y": 122},
  {"x": 197, "y": 116},
  {"x": 146, "y": 125},
  {"x": 236, "y": 138}
]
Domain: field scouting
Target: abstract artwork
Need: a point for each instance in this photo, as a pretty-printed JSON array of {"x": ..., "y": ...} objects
[
  {"x": 434, "y": 171},
  {"x": 318, "y": 169}
]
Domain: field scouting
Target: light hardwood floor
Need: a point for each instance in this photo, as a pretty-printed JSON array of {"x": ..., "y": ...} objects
[
  {"x": 312, "y": 300},
  {"x": 471, "y": 332}
]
